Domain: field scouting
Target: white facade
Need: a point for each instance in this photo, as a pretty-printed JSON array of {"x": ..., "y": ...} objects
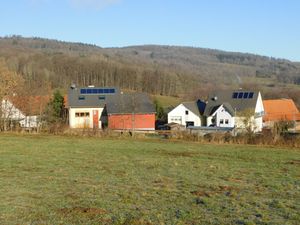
[
  {"x": 221, "y": 118},
  {"x": 183, "y": 116},
  {"x": 11, "y": 113},
  {"x": 85, "y": 117},
  {"x": 259, "y": 113},
  {"x": 30, "y": 122}
]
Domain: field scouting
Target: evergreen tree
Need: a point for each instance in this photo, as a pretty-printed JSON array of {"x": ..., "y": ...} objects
[{"x": 55, "y": 108}]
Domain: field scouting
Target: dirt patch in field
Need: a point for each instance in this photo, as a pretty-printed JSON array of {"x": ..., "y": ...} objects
[
  {"x": 294, "y": 162},
  {"x": 178, "y": 154},
  {"x": 209, "y": 192},
  {"x": 163, "y": 182},
  {"x": 82, "y": 210}
]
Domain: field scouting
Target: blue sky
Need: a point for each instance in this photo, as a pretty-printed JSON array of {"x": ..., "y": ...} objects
[{"x": 266, "y": 27}]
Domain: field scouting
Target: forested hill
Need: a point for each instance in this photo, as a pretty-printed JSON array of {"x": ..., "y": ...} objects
[{"x": 166, "y": 70}]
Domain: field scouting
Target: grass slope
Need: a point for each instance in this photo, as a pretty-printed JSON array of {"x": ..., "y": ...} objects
[{"x": 61, "y": 180}]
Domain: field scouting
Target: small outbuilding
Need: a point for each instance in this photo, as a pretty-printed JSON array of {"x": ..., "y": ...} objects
[{"x": 131, "y": 111}]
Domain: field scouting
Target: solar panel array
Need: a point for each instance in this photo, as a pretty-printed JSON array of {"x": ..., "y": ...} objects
[
  {"x": 242, "y": 95},
  {"x": 95, "y": 91}
]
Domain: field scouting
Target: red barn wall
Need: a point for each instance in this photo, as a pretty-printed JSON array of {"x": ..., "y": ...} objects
[{"x": 124, "y": 121}]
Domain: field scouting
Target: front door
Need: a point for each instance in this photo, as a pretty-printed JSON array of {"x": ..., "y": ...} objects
[{"x": 95, "y": 119}]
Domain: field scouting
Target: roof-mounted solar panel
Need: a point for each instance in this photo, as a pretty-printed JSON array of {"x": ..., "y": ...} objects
[
  {"x": 241, "y": 94},
  {"x": 251, "y": 94},
  {"x": 235, "y": 95},
  {"x": 95, "y": 91},
  {"x": 246, "y": 94}
]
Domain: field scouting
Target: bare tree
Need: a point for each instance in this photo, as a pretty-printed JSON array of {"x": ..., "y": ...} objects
[{"x": 10, "y": 84}]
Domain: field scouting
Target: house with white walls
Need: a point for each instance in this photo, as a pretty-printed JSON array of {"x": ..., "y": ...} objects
[
  {"x": 99, "y": 107},
  {"x": 86, "y": 106},
  {"x": 237, "y": 109},
  {"x": 188, "y": 114},
  {"x": 23, "y": 110}
]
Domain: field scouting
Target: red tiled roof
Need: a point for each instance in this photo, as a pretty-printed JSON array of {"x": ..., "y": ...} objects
[{"x": 280, "y": 109}]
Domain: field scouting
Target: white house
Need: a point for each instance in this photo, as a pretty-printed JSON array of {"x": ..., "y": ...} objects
[
  {"x": 187, "y": 114},
  {"x": 23, "y": 110},
  {"x": 239, "y": 109},
  {"x": 223, "y": 116},
  {"x": 10, "y": 112},
  {"x": 87, "y": 106}
]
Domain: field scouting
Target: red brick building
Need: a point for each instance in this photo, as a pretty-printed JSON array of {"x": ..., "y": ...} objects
[{"x": 131, "y": 111}]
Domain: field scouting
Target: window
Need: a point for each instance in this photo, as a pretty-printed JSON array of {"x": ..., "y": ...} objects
[
  {"x": 221, "y": 121},
  {"x": 176, "y": 118},
  {"x": 81, "y": 97},
  {"x": 101, "y": 97},
  {"x": 235, "y": 95},
  {"x": 82, "y": 114},
  {"x": 186, "y": 112},
  {"x": 227, "y": 121}
]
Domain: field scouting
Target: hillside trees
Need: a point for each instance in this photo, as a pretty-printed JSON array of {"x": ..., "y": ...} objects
[{"x": 165, "y": 70}]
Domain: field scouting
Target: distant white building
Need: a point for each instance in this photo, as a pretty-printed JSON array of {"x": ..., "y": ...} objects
[
  {"x": 23, "y": 110},
  {"x": 187, "y": 114},
  {"x": 225, "y": 109},
  {"x": 235, "y": 109},
  {"x": 222, "y": 116}
]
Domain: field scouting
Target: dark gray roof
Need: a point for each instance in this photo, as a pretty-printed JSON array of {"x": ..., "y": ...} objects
[
  {"x": 197, "y": 107},
  {"x": 229, "y": 108},
  {"x": 218, "y": 98},
  {"x": 129, "y": 103},
  {"x": 117, "y": 103},
  {"x": 226, "y": 105},
  {"x": 193, "y": 107},
  {"x": 89, "y": 101}
]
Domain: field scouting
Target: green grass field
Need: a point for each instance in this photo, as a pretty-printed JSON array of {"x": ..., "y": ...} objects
[{"x": 71, "y": 180}]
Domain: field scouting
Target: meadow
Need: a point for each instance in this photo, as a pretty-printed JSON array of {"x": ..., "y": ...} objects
[{"x": 70, "y": 180}]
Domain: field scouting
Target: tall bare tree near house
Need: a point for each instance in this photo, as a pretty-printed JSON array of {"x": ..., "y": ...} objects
[{"x": 10, "y": 84}]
